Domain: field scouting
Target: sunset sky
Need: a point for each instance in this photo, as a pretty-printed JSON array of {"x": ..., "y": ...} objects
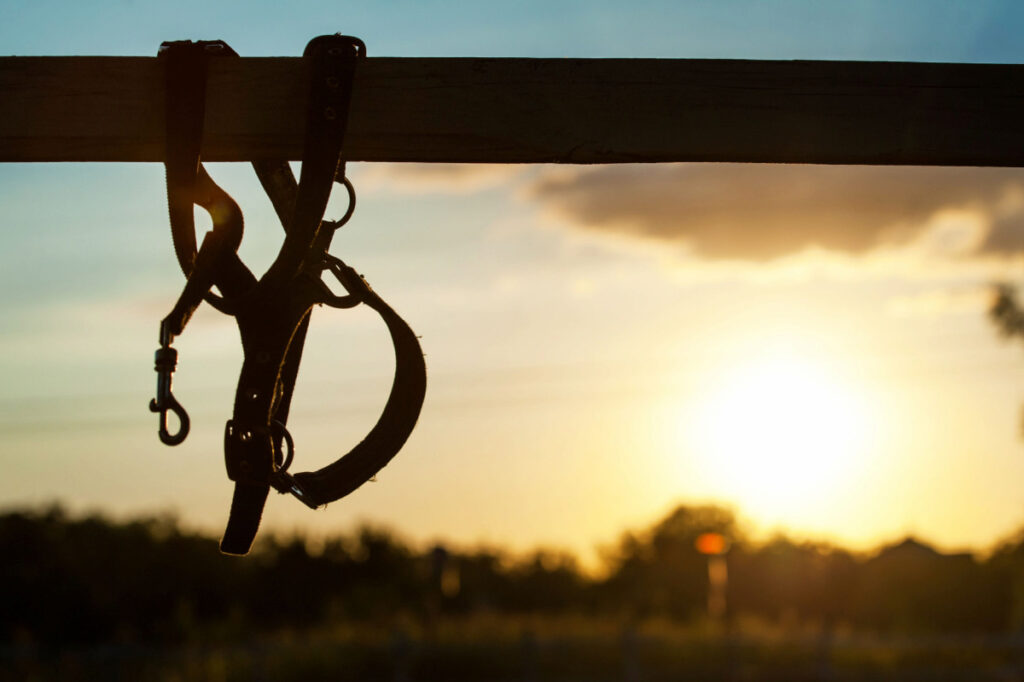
[{"x": 805, "y": 344}]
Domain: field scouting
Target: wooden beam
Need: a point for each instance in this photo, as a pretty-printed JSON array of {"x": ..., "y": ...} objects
[{"x": 535, "y": 110}]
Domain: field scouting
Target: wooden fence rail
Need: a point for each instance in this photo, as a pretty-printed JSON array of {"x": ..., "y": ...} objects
[{"x": 535, "y": 110}]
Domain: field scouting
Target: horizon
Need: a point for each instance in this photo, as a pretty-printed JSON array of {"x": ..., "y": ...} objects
[{"x": 592, "y": 562}]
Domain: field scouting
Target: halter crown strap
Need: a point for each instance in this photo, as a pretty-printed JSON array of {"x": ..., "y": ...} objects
[{"x": 273, "y": 312}]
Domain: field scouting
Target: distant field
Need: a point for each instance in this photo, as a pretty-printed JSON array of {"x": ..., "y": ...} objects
[{"x": 482, "y": 648}]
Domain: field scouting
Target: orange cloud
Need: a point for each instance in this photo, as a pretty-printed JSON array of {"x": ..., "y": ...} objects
[{"x": 757, "y": 212}]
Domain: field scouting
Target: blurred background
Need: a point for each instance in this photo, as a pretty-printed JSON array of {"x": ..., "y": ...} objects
[{"x": 683, "y": 420}]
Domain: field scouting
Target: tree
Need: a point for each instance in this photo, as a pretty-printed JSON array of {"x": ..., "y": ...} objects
[
  {"x": 1007, "y": 315},
  {"x": 660, "y": 572},
  {"x": 1006, "y": 312}
]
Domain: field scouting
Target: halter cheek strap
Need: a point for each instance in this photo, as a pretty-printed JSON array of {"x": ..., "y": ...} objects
[{"x": 273, "y": 312}]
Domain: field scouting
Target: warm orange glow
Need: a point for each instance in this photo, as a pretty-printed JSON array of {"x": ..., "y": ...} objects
[{"x": 711, "y": 543}]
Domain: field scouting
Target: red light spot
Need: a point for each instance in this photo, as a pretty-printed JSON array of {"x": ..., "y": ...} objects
[{"x": 711, "y": 543}]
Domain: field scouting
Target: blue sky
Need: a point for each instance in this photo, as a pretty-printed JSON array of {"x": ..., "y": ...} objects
[
  {"x": 909, "y": 30},
  {"x": 571, "y": 361}
]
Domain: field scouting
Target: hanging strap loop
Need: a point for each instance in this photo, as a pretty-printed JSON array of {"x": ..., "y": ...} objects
[
  {"x": 186, "y": 66},
  {"x": 188, "y": 185}
]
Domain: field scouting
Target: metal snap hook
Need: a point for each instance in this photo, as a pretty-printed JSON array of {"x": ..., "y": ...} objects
[
  {"x": 165, "y": 360},
  {"x": 163, "y": 405}
]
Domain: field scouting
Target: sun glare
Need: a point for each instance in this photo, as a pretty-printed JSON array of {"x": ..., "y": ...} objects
[{"x": 779, "y": 436}]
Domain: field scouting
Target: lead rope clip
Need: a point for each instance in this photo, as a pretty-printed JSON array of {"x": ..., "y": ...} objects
[{"x": 165, "y": 362}]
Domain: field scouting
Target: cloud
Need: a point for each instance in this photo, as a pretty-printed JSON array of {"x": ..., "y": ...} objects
[
  {"x": 759, "y": 213},
  {"x": 1006, "y": 234},
  {"x": 435, "y": 178}
]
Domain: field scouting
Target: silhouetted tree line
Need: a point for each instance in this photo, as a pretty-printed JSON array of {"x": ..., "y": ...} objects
[{"x": 88, "y": 580}]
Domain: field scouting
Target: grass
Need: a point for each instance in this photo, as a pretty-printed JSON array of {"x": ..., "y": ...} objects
[{"x": 491, "y": 648}]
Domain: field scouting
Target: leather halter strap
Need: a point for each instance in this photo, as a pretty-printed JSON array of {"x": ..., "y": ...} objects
[
  {"x": 273, "y": 312},
  {"x": 188, "y": 184}
]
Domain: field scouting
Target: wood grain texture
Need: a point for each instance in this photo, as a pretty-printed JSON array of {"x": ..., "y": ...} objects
[{"x": 535, "y": 110}]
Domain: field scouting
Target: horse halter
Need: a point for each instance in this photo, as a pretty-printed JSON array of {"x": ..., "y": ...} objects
[{"x": 273, "y": 311}]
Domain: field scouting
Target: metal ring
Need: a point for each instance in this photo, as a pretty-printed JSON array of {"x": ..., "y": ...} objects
[
  {"x": 287, "y": 438},
  {"x": 347, "y": 184}
]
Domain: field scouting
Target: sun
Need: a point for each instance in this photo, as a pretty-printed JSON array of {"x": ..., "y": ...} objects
[{"x": 780, "y": 435}]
